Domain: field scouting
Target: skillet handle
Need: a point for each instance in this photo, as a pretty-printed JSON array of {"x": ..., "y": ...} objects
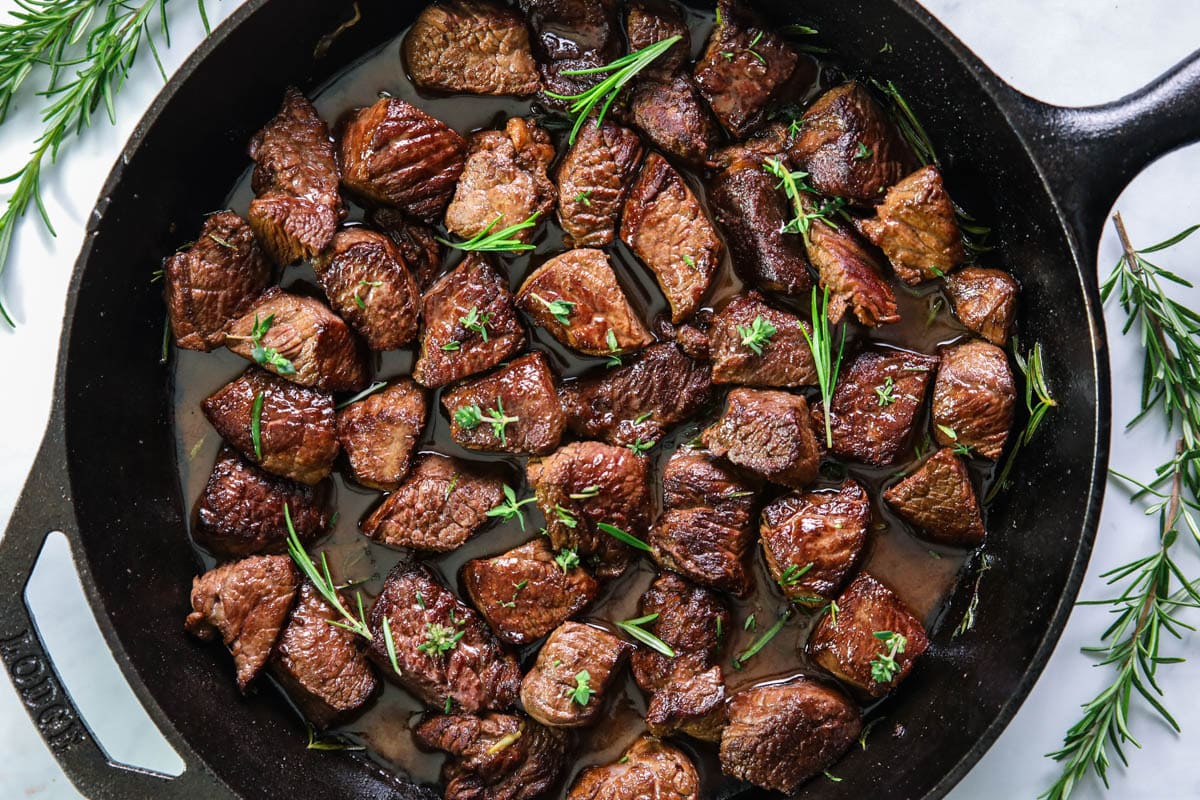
[{"x": 45, "y": 506}]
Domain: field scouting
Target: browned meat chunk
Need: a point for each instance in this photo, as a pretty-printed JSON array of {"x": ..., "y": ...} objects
[
  {"x": 576, "y": 297},
  {"x": 813, "y": 540},
  {"x": 672, "y": 115},
  {"x": 524, "y": 593},
  {"x": 241, "y": 509},
  {"x": 853, "y": 276},
  {"x": 916, "y": 228},
  {"x": 704, "y": 532},
  {"x": 647, "y": 769},
  {"x": 496, "y": 756},
  {"x": 571, "y": 35},
  {"x": 471, "y": 47},
  {"x": 504, "y": 181},
  {"x": 394, "y": 153},
  {"x": 246, "y": 602},
  {"x": 875, "y": 637},
  {"x": 752, "y": 344},
  {"x": 475, "y": 293},
  {"x": 440, "y": 505},
  {"x": 692, "y": 703},
  {"x": 985, "y": 300},
  {"x": 586, "y": 485},
  {"x": 659, "y": 388},
  {"x": 522, "y": 396},
  {"x": 690, "y": 621},
  {"x": 299, "y": 339},
  {"x": 939, "y": 501},
  {"x": 973, "y": 399},
  {"x": 296, "y": 207},
  {"x": 369, "y": 285},
  {"x": 649, "y": 22},
  {"x": 214, "y": 281},
  {"x": 446, "y": 654},
  {"x": 593, "y": 179},
  {"x": 781, "y": 734},
  {"x": 575, "y": 668},
  {"x": 416, "y": 241},
  {"x": 849, "y": 146},
  {"x": 768, "y": 433},
  {"x": 321, "y": 666},
  {"x": 380, "y": 433},
  {"x": 876, "y": 403}
]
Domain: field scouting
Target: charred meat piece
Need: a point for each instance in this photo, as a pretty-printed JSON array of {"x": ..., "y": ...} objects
[
  {"x": 297, "y": 430},
  {"x": 671, "y": 113},
  {"x": 416, "y": 241},
  {"x": 867, "y": 612},
  {"x": 985, "y": 301},
  {"x": 667, "y": 228},
  {"x": 781, "y": 734},
  {"x": 649, "y": 22},
  {"x": 576, "y": 297},
  {"x": 214, "y": 281},
  {"x": 395, "y": 154},
  {"x": 369, "y": 285},
  {"x": 593, "y": 179},
  {"x": 296, "y": 207},
  {"x": 575, "y": 668},
  {"x": 813, "y": 540},
  {"x": 752, "y": 344},
  {"x": 473, "y": 292},
  {"x": 973, "y": 399},
  {"x": 440, "y": 505},
  {"x": 522, "y": 395},
  {"x": 571, "y": 35},
  {"x": 939, "y": 501},
  {"x": 470, "y": 47},
  {"x": 916, "y": 228},
  {"x": 380, "y": 433},
  {"x": 524, "y": 593},
  {"x": 659, "y": 388},
  {"x": 445, "y": 652},
  {"x": 691, "y": 703},
  {"x": 584, "y": 485},
  {"x": 246, "y": 602},
  {"x": 241, "y": 509},
  {"x": 853, "y": 276},
  {"x": 850, "y": 147},
  {"x": 648, "y": 768},
  {"x": 303, "y": 341},
  {"x": 321, "y": 666},
  {"x": 689, "y": 619},
  {"x": 504, "y": 181},
  {"x": 768, "y": 433}
]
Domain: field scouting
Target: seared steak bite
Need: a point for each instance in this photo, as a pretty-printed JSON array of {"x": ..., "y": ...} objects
[
  {"x": 320, "y": 666},
  {"x": 571, "y": 35},
  {"x": 939, "y": 501},
  {"x": 416, "y": 241},
  {"x": 781, "y": 734},
  {"x": 445, "y": 652},
  {"x": 475, "y": 293},
  {"x": 814, "y": 540},
  {"x": 524, "y": 593},
  {"x": 593, "y": 179},
  {"x": 296, "y": 207},
  {"x": 240, "y": 511},
  {"x": 649, "y": 22},
  {"x": 916, "y": 228},
  {"x": 973, "y": 399},
  {"x": 752, "y": 344},
  {"x": 370, "y": 286},
  {"x": 648, "y": 768},
  {"x": 214, "y": 281},
  {"x": 853, "y": 276},
  {"x": 380, "y": 433},
  {"x": 768, "y": 433},
  {"x": 504, "y": 181},
  {"x": 667, "y": 228},
  {"x": 472, "y": 47},
  {"x": 440, "y": 505},
  {"x": 522, "y": 395},
  {"x": 246, "y": 602},
  {"x": 867, "y": 613},
  {"x": 584, "y": 485},
  {"x": 496, "y": 756},
  {"x": 984, "y": 300},
  {"x": 576, "y": 297},
  {"x": 692, "y": 703},
  {"x": 672, "y": 115},
  {"x": 689, "y": 619},
  {"x": 303, "y": 341},
  {"x": 568, "y": 684},
  {"x": 394, "y": 153}
]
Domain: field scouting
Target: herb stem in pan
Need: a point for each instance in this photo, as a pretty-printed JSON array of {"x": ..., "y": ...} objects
[
  {"x": 501, "y": 241},
  {"x": 323, "y": 582},
  {"x": 827, "y": 366},
  {"x": 741, "y": 658},
  {"x": 634, "y": 628}
]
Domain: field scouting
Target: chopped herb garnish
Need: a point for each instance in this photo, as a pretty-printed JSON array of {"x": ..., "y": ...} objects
[
  {"x": 690, "y": 262},
  {"x": 762, "y": 641},
  {"x": 795, "y": 185},
  {"x": 223, "y": 242},
  {"x": 565, "y": 517},
  {"x": 439, "y": 639},
  {"x": 358, "y": 301},
  {"x": 511, "y": 507},
  {"x": 885, "y": 393},
  {"x": 884, "y": 666},
  {"x": 633, "y": 627},
  {"x": 832, "y": 609},
  {"x": 750, "y": 624},
  {"x": 792, "y": 575},
  {"x": 256, "y": 425},
  {"x": 610, "y": 339},
  {"x": 623, "y": 536},
  {"x": 584, "y": 197},
  {"x": 367, "y": 392},
  {"x": 827, "y": 367},
  {"x": 452, "y": 346},
  {"x": 475, "y": 321},
  {"x": 390, "y": 644},
  {"x": 642, "y": 446},
  {"x": 757, "y": 336},
  {"x": 582, "y": 693},
  {"x": 420, "y": 600},
  {"x": 967, "y": 623},
  {"x": 862, "y": 152},
  {"x": 471, "y": 417},
  {"x": 448, "y": 706},
  {"x": 567, "y": 559},
  {"x": 450, "y": 487},
  {"x": 559, "y": 309},
  {"x": 500, "y": 241},
  {"x": 866, "y": 730},
  {"x": 266, "y": 356},
  {"x": 720, "y": 628},
  {"x": 643, "y": 417},
  {"x": 950, "y": 433},
  {"x": 585, "y": 493},
  {"x": 832, "y": 777}
]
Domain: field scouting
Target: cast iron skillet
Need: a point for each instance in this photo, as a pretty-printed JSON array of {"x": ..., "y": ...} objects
[{"x": 1043, "y": 177}]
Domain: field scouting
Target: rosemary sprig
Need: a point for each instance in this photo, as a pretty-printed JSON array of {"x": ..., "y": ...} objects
[
  {"x": 256, "y": 424},
  {"x": 910, "y": 127},
  {"x": 367, "y": 392},
  {"x": 820, "y": 342},
  {"x": 322, "y": 581},
  {"x": 1032, "y": 367},
  {"x": 741, "y": 658},
  {"x": 633, "y": 627},
  {"x": 502, "y": 241},
  {"x": 623, "y": 536}
]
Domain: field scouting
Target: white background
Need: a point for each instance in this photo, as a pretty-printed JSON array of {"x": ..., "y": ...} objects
[{"x": 1071, "y": 52}]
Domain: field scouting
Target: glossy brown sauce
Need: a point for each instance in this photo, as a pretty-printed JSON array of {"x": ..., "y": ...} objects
[{"x": 922, "y": 574}]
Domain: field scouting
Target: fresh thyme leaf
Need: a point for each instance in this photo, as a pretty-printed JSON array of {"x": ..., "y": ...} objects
[
  {"x": 502, "y": 241},
  {"x": 471, "y": 417},
  {"x": 610, "y": 339},
  {"x": 757, "y": 335},
  {"x": 641, "y": 446},
  {"x": 560, "y": 309},
  {"x": 365, "y": 393},
  {"x": 584, "y": 197},
  {"x": 511, "y": 507},
  {"x": 633, "y": 627},
  {"x": 750, "y": 624},
  {"x": 885, "y": 393},
  {"x": 323, "y": 582},
  {"x": 266, "y": 356},
  {"x": 256, "y": 425},
  {"x": 820, "y": 342},
  {"x": 884, "y": 666},
  {"x": 567, "y": 559},
  {"x": 795, "y": 185},
  {"x": 439, "y": 639},
  {"x": 583, "y": 691},
  {"x": 862, "y": 152},
  {"x": 475, "y": 321},
  {"x": 950, "y": 433},
  {"x": 623, "y": 536},
  {"x": 390, "y": 644},
  {"x": 753, "y": 650},
  {"x": 452, "y": 346}
]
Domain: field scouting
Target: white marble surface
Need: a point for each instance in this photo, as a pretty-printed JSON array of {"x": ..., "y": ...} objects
[{"x": 1064, "y": 51}]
